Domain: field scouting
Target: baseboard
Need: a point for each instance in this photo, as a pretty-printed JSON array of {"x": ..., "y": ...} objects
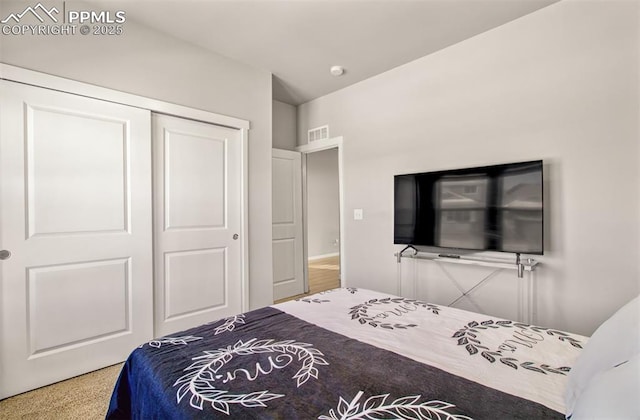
[{"x": 319, "y": 257}]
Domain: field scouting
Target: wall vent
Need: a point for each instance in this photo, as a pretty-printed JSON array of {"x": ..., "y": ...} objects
[{"x": 318, "y": 133}]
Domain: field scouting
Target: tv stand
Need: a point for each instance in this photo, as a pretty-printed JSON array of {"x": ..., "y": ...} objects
[
  {"x": 520, "y": 265},
  {"x": 400, "y": 254}
]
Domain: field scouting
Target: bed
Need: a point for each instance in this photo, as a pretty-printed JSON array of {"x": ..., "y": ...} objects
[{"x": 353, "y": 353}]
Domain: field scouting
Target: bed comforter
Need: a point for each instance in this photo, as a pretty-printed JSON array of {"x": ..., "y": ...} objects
[{"x": 350, "y": 354}]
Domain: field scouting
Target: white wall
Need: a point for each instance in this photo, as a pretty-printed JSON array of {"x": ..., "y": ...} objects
[
  {"x": 148, "y": 63},
  {"x": 284, "y": 126},
  {"x": 323, "y": 203},
  {"x": 560, "y": 84}
]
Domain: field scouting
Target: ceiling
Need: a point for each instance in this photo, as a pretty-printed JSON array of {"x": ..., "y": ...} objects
[{"x": 299, "y": 40}]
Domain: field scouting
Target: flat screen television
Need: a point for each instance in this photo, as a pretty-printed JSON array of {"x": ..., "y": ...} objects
[{"x": 488, "y": 208}]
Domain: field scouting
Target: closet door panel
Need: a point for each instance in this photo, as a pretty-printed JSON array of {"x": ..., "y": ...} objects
[
  {"x": 198, "y": 243},
  {"x": 75, "y": 184},
  {"x": 191, "y": 162},
  {"x": 71, "y": 195}
]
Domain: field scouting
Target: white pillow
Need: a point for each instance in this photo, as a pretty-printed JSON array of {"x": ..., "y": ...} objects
[
  {"x": 616, "y": 341},
  {"x": 613, "y": 394}
]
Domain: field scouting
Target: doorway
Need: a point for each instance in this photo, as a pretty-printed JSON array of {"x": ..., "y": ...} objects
[
  {"x": 328, "y": 266},
  {"x": 322, "y": 222}
]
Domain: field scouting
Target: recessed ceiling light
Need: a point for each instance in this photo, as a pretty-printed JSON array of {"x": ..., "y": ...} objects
[{"x": 337, "y": 70}]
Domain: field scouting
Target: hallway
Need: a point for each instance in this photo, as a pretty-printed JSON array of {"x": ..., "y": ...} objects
[{"x": 324, "y": 274}]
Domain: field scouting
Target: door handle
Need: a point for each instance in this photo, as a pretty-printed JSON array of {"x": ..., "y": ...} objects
[
  {"x": 4, "y": 254},
  {"x": 235, "y": 236}
]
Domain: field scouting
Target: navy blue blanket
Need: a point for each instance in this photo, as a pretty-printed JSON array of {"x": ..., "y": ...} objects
[{"x": 266, "y": 364}]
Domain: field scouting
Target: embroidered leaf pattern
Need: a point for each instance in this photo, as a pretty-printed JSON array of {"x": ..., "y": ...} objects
[
  {"x": 468, "y": 338},
  {"x": 471, "y": 349},
  {"x": 352, "y": 290},
  {"x": 572, "y": 341},
  {"x": 229, "y": 324},
  {"x": 174, "y": 341},
  {"x": 377, "y": 407},
  {"x": 509, "y": 362},
  {"x": 529, "y": 366},
  {"x": 550, "y": 369},
  {"x": 360, "y": 312},
  {"x": 315, "y": 300},
  {"x": 459, "y": 333},
  {"x": 200, "y": 382},
  {"x": 489, "y": 356}
]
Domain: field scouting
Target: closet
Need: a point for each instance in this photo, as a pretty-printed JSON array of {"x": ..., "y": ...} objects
[
  {"x": 119, "y": 224},
  {"x": 197, "y": 223}
]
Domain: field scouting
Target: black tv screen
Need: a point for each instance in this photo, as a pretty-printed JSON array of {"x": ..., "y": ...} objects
[{"x": 489, "y": 208}]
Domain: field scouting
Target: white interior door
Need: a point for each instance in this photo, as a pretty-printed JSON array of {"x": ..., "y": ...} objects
[
  {"x": 288, "y": 277},
  {"x": 198, "y": 243},
  {"x": 75, "y": 188}
]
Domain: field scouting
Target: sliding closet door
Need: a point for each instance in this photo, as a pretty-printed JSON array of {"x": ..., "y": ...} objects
[
  {"x": 197, "y": 218},
  {"x": 76, "y": 277}
]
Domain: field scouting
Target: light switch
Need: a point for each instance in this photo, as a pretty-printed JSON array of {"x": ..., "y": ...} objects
[{"x": 357, "y": 214}]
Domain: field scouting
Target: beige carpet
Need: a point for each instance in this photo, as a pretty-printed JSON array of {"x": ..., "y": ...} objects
[{"x": 84, "y": 397}]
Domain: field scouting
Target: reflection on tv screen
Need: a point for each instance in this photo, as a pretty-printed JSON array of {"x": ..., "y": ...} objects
[{"x": 496, "y": 208}]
